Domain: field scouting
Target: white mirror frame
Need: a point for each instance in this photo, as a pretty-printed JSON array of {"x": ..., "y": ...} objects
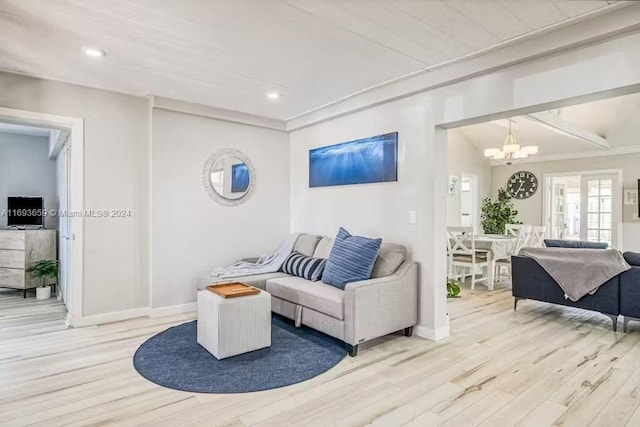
[{"x": 206, "y": 177}]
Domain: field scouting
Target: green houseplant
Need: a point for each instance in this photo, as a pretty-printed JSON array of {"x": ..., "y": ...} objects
[
  {"x": 453, "y": 288},
  {"x": 45, "y": 270},
  {"x": 498, "y": 213}
]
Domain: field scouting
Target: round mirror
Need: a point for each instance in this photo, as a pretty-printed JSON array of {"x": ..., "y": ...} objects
[{"x": 229, "y": 177}]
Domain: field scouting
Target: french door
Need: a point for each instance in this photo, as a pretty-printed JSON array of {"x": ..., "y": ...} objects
[
  {"x": 584, "y": 206},
  {"x": 598, "y": 202}
]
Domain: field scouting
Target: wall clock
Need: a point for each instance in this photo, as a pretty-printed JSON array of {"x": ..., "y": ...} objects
[{"x": 522, "y": 185}]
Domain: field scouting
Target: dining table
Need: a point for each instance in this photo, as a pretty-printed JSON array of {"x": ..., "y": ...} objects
[{"x": 498, "y": 246}]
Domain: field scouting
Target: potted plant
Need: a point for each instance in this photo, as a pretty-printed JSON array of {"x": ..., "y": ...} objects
[
  {"x": 453, "y": 288},
  {"x": 496, "y": 214},
  {"x": 45, "y": 270}
]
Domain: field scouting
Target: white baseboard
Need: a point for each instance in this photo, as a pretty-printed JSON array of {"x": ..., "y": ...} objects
[
  {"x": 172, "y": 310},
  {"x": 116, "y": 316},
  {"x": 431, "y": 334}
]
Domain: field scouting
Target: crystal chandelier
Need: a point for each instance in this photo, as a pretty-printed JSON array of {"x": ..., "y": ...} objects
[{"x": 511, "y": 151}]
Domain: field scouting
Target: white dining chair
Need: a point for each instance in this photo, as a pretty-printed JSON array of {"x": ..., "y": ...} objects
[
  {"x": 461, "y": 252},
  {"x": 536, "y": 239},
  {"x": 523, "y": 233}
]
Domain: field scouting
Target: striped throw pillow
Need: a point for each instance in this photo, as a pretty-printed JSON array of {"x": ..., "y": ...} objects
[
  {"x": 303, "y": 266},
  {"x": 351, "y": 259}
]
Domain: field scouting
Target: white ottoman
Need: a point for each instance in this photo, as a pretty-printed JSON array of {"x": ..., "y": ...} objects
[{"x": 231, "y": 326}]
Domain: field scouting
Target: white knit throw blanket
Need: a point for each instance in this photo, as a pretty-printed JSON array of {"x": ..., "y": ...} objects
[{"x": 267, "y": 263}]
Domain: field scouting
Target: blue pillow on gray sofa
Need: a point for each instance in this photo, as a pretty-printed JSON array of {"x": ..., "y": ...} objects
[
  {"x": 351, "y": 259},
  {"x": 551, "y": 243},
  {"x": 632, "y": 258}
]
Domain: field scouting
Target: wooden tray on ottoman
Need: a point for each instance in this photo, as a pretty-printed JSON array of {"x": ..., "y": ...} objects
[{"x": 233, "y": 290}]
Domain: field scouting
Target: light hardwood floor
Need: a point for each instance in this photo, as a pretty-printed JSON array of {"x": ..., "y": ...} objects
[{"x": 542, "y": 365}]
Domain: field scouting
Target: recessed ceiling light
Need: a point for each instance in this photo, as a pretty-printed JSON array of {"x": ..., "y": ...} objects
[
  {"x": 95, "y": 53},
  {"x": 273, "y": 95}
]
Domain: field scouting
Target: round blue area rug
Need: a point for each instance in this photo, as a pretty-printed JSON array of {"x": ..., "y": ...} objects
[{"x": 174, "y": 359}]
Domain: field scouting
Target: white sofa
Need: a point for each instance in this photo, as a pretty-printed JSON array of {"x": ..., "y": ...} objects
[{"x": 386, "y": 303}]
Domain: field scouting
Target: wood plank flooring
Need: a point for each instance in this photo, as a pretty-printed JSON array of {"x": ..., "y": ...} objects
[{"x": 540, "y": 366}]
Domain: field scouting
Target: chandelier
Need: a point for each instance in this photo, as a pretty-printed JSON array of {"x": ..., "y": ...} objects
[{"x": 511, "y": 151}]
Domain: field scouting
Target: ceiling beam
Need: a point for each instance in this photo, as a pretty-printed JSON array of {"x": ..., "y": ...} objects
[{"x": 556, "y": 124}]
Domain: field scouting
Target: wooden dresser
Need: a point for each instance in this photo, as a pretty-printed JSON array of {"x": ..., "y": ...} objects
[{"x": 19, "y": 250}]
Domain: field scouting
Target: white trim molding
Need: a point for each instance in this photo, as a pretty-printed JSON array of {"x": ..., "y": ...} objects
[
  {"x": 172, "y": 310},
  {"x": 431, "y": 334},
  {"x": 116, "y": 316},
  {"x": 134, "y": 313},
  {"x": 185, "y": 107}
]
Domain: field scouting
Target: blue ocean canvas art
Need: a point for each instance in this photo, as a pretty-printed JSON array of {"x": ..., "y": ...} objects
[
  {"x": 239, "y": 178},
  {"x": 362, "y": 161}
]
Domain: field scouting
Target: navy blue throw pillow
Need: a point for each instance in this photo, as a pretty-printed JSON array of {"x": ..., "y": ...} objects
[
  {"x": 574, "y": 244},
  {"x": 633, "y": 258},
  {"x": 303, "y": 266},
  {"x": 351, "y": 259}
]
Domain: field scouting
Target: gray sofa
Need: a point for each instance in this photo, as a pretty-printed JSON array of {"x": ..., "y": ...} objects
[{"x": 386, "y": 303}]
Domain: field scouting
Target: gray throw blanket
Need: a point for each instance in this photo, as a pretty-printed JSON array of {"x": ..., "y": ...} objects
[{"x": 578, "y": 271}]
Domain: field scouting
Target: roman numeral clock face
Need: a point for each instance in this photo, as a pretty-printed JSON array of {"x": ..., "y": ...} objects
[{"x": 522, "y": 185}]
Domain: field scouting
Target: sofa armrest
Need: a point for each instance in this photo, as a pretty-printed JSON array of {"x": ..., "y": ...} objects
[{"x": 377, "y": 307}]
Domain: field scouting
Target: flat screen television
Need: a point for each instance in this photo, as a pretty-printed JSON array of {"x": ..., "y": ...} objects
[{"x": 25, "y": 211}]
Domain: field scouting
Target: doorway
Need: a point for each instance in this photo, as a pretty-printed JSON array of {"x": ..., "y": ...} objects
[
  {"x": 469, "y": 201},
  {"x": 584, "y": 206},
  {"x": 67, "y": 149}
]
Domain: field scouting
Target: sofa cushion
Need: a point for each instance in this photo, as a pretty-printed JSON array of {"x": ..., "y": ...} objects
[
  {"x": 552, "y": 243},
  {"x": 306, "y": 267},
  {"x": 351, "y": 259},
  {"x": 391, "y": 256},
  {"x": 256, "y": 280},
  {"x": 314, "y": 295},
  {"x": 633, "y": 258},
  {"x": 324, "y": 248},
  {"x": 306, "y": 244}
]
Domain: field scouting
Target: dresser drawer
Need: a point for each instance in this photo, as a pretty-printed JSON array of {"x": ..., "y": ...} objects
[
  {"x": 12, "y": 240},
  {"x": 12, "y": 277},
  {"x": 13, "y": 259}
]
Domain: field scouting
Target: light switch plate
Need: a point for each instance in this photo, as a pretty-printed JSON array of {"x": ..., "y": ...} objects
[{"x": 413, "y": 218}]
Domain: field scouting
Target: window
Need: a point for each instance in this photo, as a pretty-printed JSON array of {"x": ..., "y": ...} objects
[{"x": 599, "y": 209}]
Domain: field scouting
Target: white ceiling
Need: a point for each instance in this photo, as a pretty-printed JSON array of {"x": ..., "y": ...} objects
[
  {"x": 616, "y": 119},
  {"x": 24, "y": 130},
  {"x": 230, "y": 53}
]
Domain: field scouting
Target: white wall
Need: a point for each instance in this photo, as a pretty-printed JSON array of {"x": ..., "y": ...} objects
[
  {"x": 530, "y": 210},
  {"x": 116, "y": 177},
  {"x": 25, "y": 170},
  {"x": 190, "y": 232},
  {"x": 382, "y": 209},
  {"x": 464, "y": 157}
]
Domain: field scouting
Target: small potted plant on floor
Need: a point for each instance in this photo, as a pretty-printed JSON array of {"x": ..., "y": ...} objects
[
  {"x": 453, "y": 288},
  {"x": 47, "y": 271}
]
